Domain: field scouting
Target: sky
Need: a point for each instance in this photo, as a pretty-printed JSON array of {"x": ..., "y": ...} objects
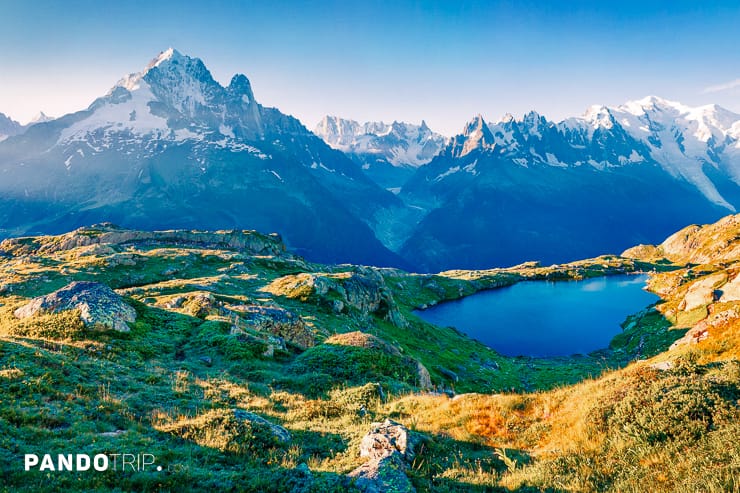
[{"x": 441, "y": 61}]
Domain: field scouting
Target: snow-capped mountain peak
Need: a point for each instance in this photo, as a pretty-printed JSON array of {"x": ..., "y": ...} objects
[
  {"x": 174, "y": 98},
  {"x": 476, "y": 136},
  {"x": 8, "y": 127},
  {"x": 167, "y": 55},
  {"x": 40, "y": 117},
  {"x": 400, "y": 144},
  {"x": 687, "y": 142}
]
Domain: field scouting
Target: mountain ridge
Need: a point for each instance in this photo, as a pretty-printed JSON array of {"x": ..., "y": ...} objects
[
  {"x": 577, "y": 188},
  {"x": 171, "y": 147},
  {"x": 388, "y": 153}
]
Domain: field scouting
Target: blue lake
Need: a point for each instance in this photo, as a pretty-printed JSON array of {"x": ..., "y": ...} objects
[{"x": 544, "y": 318}]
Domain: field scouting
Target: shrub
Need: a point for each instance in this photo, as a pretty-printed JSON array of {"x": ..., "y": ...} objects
[
  {"x": 223, "y": 430},
  {"x": 65, "y": 325},
  {"x": 355, "y": 365}
]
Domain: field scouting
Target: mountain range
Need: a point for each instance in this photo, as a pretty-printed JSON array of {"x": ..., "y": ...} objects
[
  {"x": 170, "y": 147},
  {"x": 388, "y": 153},
  {"x": 529, "y": 188}
]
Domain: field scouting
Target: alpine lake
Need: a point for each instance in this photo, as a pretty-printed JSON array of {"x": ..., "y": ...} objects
[{"x": 546, "y": 318}]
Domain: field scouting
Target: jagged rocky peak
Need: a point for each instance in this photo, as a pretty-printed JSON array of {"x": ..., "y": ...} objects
[
  {"x": 8, "y": 127},
  {"x": 337, "y": 132},
  {"x": 182, "y": 82},
  {"x": 398, "y": 143},
  {"x": 476, "y": 136},
  {"x": 174, "y": 97},
  {"x": 241, "y": 86},
  {"x": 40, "y": 117},
  {"x": 599, "y": 116}
]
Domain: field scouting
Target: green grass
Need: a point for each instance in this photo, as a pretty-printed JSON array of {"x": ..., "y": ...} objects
[{"x": 168, "y": 387}]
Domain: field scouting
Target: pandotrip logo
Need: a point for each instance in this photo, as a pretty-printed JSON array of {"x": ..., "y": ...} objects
[{"x": 85, "y": 462}]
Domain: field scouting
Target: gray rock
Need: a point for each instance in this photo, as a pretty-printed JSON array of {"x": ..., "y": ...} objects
[
  {"x": 390, "y": 447},
  {"x": 385, "y": 439},
  {"x": 425, "y": 380},
  {"x": 277, "y": 322},
  {"x": 100, "y": 307},
  {"x": 362, "y": 289},
  {"x": 383, "y": 476},
  {"x": 281, "y": 435},
  {"x": 449, "y": 374}
]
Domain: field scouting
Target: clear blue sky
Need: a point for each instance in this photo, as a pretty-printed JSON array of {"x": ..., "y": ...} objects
[{"x": 382, "y": 60}]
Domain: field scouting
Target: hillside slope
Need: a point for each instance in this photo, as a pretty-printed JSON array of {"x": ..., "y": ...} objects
[{"x": 247, "y": 368}]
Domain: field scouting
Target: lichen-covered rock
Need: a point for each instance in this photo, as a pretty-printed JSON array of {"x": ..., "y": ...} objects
[
  {"x": 425, "y": 379},
  {"x": 362, "y": 289},
  {"x": 385, "y": 439},
  {"x": 280, "y": 434},
  {"x": 100, "y": 307},
  {"x": 198, "y": 304},
  {"x": 389, "y": 447},
  {"x": 387, "y": 475},
  {"x": 276, "y": 321}
]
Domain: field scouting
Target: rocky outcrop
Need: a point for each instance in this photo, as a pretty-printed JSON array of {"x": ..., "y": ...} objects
[
  {"x": 99, "y": 306},
  {"x": 280, "y": 434},
  {"x": 276, "y": 321},
  {"x": 702, "y": 292},
  {"x": 389, "y": 447},
  {"x": 703, "y": 329},
  {"x": 230, "y": 430},
  {"x": 362, "y": 289},
  {"x": 710, "y": 243},
  {"x": 730, "y": 291},
  {"x": 363, "y": 340},
  {"x": 425, "y": 379},
  {"x": 108, "y": 234},
  {"x": 198, "y": 304}
]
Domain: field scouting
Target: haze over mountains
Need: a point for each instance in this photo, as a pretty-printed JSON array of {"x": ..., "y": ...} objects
[
  {"x": 388, "y": 153},
  {"x": 169, "y": 147},
  {"x": 531, "y": 188}
]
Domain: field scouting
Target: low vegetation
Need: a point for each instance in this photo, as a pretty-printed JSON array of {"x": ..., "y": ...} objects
[{"x": 225, "y": 403}]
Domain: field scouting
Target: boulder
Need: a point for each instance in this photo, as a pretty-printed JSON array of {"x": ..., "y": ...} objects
[
  {"x": 702, "y": 292},
  {"x": 425, "y": 380},
  {"x": 198, "y": 304},
  {"x": 277, "y": 322},
  {"x": 387, "y": 438},
  {"x": 362, "y": 289},
  {"x": 100, "y": 307},
  {"x": 383, "y": 476},
  {"x": 731, "y": 290},
  {"x": 281, "y": 435},
  {"x": 390, "y": 447}
]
